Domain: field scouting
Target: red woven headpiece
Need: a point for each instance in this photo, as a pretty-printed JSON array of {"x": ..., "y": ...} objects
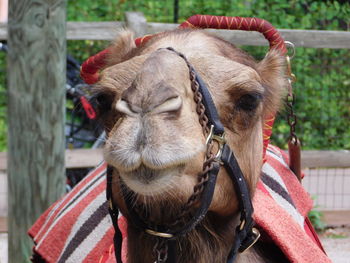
[
  {"x": 239, "y": 23},
  {"x": 90, "y": 68}
]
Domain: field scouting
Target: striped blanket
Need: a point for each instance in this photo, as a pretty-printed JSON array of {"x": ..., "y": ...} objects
[{"x": 78, "y": 228}]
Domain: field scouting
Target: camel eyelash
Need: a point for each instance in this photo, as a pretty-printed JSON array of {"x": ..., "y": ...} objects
[
  {"x": 102, "y": 101},
  {"x": 249, "y": 102}
]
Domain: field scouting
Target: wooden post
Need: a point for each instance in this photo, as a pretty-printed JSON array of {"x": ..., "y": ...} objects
[
  {"x": 176, "y": 11},
  {"x": 136, "y": 21},
  {"x": 36, "y": 109}
]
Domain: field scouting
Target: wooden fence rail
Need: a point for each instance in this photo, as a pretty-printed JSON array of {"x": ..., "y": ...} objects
[
  {"x": 109, "y": 30},
  {"x": 81, "y": 158}
]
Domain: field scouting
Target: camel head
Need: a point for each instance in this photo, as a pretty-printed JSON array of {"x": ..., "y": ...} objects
[{"x": 156, "y": 143}]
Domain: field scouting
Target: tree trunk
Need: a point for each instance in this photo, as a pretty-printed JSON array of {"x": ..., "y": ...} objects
[{"x": 36, "y": 109}]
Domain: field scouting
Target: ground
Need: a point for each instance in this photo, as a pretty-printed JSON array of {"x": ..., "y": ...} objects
[{"x": 337, "y": 244}]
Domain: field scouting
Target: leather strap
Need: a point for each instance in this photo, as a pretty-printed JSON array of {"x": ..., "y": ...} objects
[
  {"x": 114, "y": 213},
  {"x": 210, "y": 109},
  {"x": 244, "y": 236},
  {"x": 207, "y": 100},
  {"x": 240, "y": 184},
  {"x": 295, "y": 157}
]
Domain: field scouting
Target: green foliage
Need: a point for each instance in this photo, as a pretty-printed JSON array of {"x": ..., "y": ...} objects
[
  {"x": 322, "y": 99},
  {"x": 315, "y": 217},
  {"x": 323, "y": 86}
]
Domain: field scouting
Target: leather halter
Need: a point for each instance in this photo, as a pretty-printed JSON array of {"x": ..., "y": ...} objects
[{"x": 245, "y": 235}]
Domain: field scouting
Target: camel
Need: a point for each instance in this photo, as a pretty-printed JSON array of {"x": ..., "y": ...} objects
[{"x": 156, "y": 145}]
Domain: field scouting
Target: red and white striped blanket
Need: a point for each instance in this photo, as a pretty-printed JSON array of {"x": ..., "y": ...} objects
[{"x": 78, "y": 228}]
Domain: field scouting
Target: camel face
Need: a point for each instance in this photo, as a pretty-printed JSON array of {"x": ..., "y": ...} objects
[
  {"x": 155, "y": 141},
  {"x": 159, "y": 132}
]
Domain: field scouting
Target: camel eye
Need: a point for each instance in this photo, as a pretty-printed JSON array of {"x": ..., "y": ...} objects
[
  {"x": 103, "y": 102},
  {"x": 248, "y": 102}
]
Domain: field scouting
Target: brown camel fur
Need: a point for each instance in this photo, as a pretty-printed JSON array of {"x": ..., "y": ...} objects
[{"x": 156, "y": 144}]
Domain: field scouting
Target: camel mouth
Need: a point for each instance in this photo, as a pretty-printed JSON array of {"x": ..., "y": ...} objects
[{"x": 150, "y": 182}]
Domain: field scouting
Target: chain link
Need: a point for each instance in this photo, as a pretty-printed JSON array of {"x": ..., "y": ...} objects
[
  {"x": 291, "y": 118},
  {"x": 290, "y": 101},
  {"x": 160, "y": 250},
  {"x": 200, "y": 108}
]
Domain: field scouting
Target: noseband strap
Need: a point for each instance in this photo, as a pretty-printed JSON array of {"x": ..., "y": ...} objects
[
  {"x": 245, "y": 235},
  {"x": 164, "y": 231}
]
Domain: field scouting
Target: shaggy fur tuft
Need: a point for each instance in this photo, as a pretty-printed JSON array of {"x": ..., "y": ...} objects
[
  {"x": 121, "y": 47},
  {"x": 272, "y": 71}
]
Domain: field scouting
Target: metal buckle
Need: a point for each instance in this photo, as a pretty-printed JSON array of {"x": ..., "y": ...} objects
[
  {"x": 291, "y": 77},
  {"x": 110, "y": 204},
  {"x": 242, "y": 224},
  {"x": 291, "y": 47},
  {"x": 220, "y": 139},
  {"x": 158, "y": 234},
  {"x": 256, "y": 232}
]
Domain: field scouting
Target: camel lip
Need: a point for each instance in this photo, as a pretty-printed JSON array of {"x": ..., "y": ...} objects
[
  {"x": 147, "y": 174},
  {"x": 130, "y": 161},
  {"x": 147, "y": 181}
]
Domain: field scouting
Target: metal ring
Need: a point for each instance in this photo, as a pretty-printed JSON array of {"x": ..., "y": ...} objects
[
  {"x": 210, "y": 135},
  {"x": 256, "y": 233},
  {"x": 242, "y": 224},
  {"x": 290, "y": 46},
  {"x": 158, "y": 234}
]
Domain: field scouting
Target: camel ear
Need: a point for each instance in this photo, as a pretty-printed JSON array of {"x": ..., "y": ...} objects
[
  {"x": 121, "y": 48},
  {"x": 272, "y": 71}
]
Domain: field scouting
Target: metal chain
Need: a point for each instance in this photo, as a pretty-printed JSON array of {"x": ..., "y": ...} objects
[
  {"x": 160, "y": 250},
  {"x": 197, "y": 191},
  {"x": 200, "y": 108},
  {"x": 291, "y": 118},
  {"x": 290, "y": 99},
  {"x": 197, "y": 96}
]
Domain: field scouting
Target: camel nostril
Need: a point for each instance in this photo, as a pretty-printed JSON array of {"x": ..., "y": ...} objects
[
  {"x": 170, "y": 105},
  {"x": 123, "y": 107}
]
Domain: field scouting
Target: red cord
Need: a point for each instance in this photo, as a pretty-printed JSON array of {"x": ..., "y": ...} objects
[{"x": 89, "y": 110}]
